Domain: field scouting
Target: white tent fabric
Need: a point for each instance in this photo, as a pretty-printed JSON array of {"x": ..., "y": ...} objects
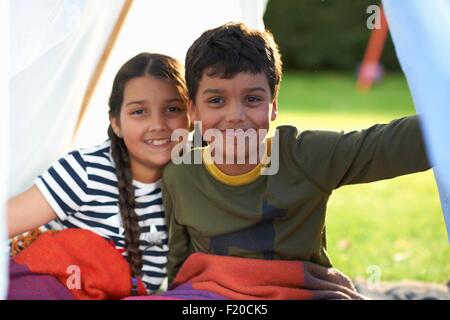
[
  {"x": 3, "y": 146},
  {"x": 420, "y": 31},
  {"x": 47, "y": 85}
]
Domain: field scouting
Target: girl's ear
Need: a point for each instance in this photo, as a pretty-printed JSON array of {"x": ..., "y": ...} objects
[
  {"x": 192, "y": 110},
  {"x": 274, "y": 114},
  {"x": 115, "y": 126}
]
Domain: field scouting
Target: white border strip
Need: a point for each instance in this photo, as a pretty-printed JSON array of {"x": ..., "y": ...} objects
[{"x": 4, "y": 140}]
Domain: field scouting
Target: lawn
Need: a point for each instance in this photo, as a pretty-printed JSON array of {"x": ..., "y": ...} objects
[{"x": 392, "y": 229}]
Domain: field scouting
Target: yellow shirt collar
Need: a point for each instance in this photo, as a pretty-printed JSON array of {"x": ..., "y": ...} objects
[{"x": 239, "y": 180}]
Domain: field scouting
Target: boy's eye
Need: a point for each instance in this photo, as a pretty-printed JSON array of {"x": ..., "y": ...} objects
[
  {"x": 253, "y": 99},
  {"x": 216, "y": 100}
]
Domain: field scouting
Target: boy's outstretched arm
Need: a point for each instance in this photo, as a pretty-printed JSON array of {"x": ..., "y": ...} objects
[
  {"x": 379, "y": 152},
  {"x": 27, "y": 211}
]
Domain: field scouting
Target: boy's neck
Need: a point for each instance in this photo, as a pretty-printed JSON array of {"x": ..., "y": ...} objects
[{"x": 235, "y": 169}]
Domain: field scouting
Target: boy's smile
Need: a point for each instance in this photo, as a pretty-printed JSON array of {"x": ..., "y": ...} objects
[{"x": 234, "y": 105}]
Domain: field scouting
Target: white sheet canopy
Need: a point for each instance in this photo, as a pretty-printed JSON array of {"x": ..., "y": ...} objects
[{"x": 420, "y": 31}]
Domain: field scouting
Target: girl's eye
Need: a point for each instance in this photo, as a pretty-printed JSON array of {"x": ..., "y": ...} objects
[
  {"x": 173, "y": 109},
  {"x": 138, "y": 112}
]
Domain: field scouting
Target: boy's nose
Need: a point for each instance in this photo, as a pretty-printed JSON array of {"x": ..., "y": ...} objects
[{"x": 235, "y": 112}]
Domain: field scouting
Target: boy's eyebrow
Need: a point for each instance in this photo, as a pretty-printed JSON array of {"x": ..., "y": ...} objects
[
  {"x": 207, "y": 91},
  {"x": 216, "y": 91},
  {"x": 255, "y": 89}
]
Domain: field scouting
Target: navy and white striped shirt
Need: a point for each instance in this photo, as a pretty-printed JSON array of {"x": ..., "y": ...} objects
[{"x": 82, "y": 189}]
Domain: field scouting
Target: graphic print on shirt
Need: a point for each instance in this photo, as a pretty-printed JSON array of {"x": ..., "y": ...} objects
[{"x": 257, "y": 238}]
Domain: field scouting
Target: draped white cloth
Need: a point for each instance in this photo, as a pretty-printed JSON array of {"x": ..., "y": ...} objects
[
  {"x": 421, "y": 34},
  {"x": 55, "y": 46}
]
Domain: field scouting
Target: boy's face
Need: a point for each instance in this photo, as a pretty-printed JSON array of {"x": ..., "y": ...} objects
[{"x": 242, "y": 102}]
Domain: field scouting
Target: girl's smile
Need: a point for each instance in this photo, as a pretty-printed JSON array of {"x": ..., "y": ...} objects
[{"x": 160, "y": 143}]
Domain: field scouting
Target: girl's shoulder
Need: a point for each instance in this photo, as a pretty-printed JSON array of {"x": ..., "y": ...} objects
[
  {"x": 94, "y": 156},
  {"x": 99, "y": 150}
]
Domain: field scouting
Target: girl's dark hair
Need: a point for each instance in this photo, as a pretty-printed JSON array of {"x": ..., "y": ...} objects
[
  {"x": 144, "y": 64},
  {"x": 230, "y": 49}
]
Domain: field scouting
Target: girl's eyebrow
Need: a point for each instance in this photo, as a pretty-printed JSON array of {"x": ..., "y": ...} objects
[
  {"x": 136, "y": 102},
  {"x": 174, "y": 100},
  {"x": 145, "y": 101}
]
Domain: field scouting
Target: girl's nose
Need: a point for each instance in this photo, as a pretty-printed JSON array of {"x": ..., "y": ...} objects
[{"x": 157, "y": 123}]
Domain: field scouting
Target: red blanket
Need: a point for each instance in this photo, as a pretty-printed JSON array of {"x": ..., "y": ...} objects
[
  {"x": 88, "y": 265},
  {"x": 242, "y": 278}
]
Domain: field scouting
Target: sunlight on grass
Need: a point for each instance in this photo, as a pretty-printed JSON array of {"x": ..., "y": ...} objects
[{"x": 329, "y": 92}]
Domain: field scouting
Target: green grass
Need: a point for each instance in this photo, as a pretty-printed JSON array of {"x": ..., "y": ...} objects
[
  {"x": 324, "y": 93},
  {"x": 395, "y": 225}
]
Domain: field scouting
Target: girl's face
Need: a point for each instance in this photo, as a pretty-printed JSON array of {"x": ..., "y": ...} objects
[{"x": 152, "y": 108}]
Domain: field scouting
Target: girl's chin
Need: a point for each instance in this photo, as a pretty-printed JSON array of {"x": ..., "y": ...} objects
[{"x": 159, "y": 162}]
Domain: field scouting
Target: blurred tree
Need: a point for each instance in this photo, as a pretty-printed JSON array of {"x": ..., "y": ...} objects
[{"x": 324, "y": 34}]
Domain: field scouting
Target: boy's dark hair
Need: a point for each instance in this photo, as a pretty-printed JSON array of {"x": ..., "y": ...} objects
[
  {"x": 230, "y": 49},
  {"x": 144, "y": 64}
]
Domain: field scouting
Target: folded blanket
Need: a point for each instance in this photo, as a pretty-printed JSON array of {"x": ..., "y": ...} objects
[
  {"x": 182, "y": 292},
  {"x": 26, "y": 285},
  {"x": 215, "y": 277},
  {"x": 87, "y": 265}
]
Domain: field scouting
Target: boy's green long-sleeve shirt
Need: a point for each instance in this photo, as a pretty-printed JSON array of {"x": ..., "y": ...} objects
[{"x": 282, "y": 216}]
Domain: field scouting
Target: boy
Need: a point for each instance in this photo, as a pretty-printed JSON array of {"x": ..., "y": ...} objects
[{"x": 233, "y": 76}]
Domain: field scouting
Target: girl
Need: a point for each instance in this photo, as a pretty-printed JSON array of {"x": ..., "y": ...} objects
[{"x": 114, "y": 189}]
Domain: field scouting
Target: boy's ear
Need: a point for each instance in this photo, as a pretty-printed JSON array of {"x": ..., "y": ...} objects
[
  {"x": 274, "y": 114},
  {"x": 115, "y": 126},
  {"x": 192, "y": 110}
]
